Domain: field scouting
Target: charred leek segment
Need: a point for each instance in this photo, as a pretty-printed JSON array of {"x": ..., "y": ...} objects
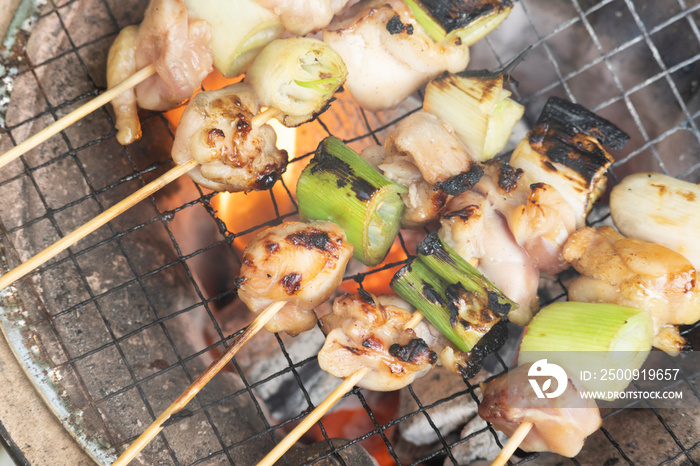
[
  {"x": 660, "y": 209},
  {"x": 478, "y": 108},
  {"x": 565, "y": 150},
  {"x": 452, "y": 295},
  {"x": 298, "y": 76},
  {"x": 590, "y": 337},
  {"x": 239, "y": 30},
  {"x": 447, "y": 20},
  {"x": 339, "y": 186}
]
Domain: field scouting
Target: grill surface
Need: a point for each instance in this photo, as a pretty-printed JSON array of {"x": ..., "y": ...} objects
[{"x": 106, "y": 327}]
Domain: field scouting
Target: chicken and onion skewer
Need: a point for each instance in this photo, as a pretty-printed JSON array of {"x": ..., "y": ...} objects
[
  {"x": 161, "y": 63},
  {"x": 287, "y": 271},
  {"x": 376, "y": 342},
  {"x": 575, "y": 337},
  {"x": 221, "y": 142}
]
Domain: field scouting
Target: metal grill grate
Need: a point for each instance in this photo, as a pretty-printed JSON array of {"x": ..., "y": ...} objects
[{"x": 620, "y": 58}]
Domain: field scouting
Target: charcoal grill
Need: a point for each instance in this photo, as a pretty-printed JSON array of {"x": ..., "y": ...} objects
[{"x": 104, "y": 329}]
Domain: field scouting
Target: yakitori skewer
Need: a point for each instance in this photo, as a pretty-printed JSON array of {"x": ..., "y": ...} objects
[
  {"x": 513, "y": 443},
  {"x": 109, "y": 214},
  {"x": 287, "y": 271},
  {"x": 75, "y": 115},
  {"x": 344, "y": 388},
  {"x": 196, "y": 386},
  {"x": 446, "y": 289}
]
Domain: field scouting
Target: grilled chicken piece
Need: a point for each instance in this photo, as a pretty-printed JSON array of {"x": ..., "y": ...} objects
[
  {"x": 301, "y": 17},
  {"x": 295, "y": 262},
  {"x": 538, "y": 216},
  {"x": 635, "y": 273},
  {"x": 233, "y": 154},
  {"x": 473, "y": 228},
  {"x": 368, "y": 331},
  {"x": 387, "y": 53},
  {"x": 180, "y": 49},
  {"x": 432, "y": 146},
  {"x": 561, "y": 424},
  {"x": 423, "y": 154},
  {"x": 423, "y": 202},
  {"x": 121, "y": 63}
]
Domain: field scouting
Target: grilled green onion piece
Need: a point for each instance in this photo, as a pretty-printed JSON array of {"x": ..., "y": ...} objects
[
  {"x": 477, "y": 107},
  {"x": 590, "y": 337},
  {"x": 238, "y": 31},
  {"x": 566, "y": 150},
  {"x": 297, "y": 75},
  {"x": 452, "y": 294},
  {"x": 447, "y": 20},
  {"x": 339, "y": 186}
]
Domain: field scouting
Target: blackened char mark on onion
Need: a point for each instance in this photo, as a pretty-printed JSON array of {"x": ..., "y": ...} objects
[
  {"x": 489, "y": 343},
  {"x": 563, "y": 143},
  {"x": 326, "y": 162},
  {"x": 414, "y": 352},
  {"x": 432, "y": 246},
  {"x": 460, "y": 183},
  {"x": 454, "y": 294},
  {"x": 496, "y": 306},
  {"x": 578, "y": 119},
  {"x": 456, "y": 14},
  {"x": 432, "y": 295}
]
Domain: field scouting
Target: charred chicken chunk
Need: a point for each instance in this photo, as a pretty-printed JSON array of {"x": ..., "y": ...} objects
[
  {"x": 368, "y": 331},
  {"x": 560, "y": 424},
  {"x": 295, "y": 262},
  {"x": 635, "y": 273},
  {"x": 233, "y": 154}
]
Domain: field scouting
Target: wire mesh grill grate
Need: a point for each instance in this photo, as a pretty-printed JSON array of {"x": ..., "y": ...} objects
[{"x": 582, "y": 50}]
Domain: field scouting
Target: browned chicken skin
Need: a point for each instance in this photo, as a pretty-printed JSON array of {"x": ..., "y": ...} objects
[
  {"x": 233, "y": 154},
  {"x": 368, "y": 331},
  {"x": 635, "y": 273},
  {"x": 295, "y": 262},
  {"x": 560, "y": 424}
]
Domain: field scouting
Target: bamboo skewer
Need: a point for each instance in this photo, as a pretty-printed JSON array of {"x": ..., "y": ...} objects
[
  {"x": 313, "y": 417},
  {"x": 189, "y": 393},
  {"x": 81, "y": 232},
  {"x": 75, "y": 115},
  {"x": 415, "y": 319},
  {"x": 513, "y": 443}
]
